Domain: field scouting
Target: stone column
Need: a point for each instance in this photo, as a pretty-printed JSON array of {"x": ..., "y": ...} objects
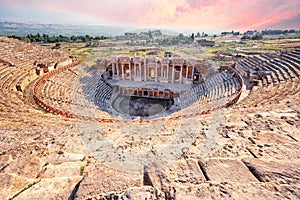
[
  {"x": 186, "y": 72},
  {"x": 134, "y": 70},
  {"x": 123, "y": 74},
  {"x": 145, "y": 70},
  {"x": 193, "y": 71},
  {"x": 180, "y": 74},
  {"x": 118, "y": 70},
  {"x": 148, "y": 71},
  {"x": 168, "y": 72},
  {"x": 162, "y": 72},
  {"x": 113, "y": 70},
  {"x": 130, "y": 71},
  {"x": 140, "y": 67},
  {"x": 156, "y": 72},
  {"x": 173, "y": 73}
]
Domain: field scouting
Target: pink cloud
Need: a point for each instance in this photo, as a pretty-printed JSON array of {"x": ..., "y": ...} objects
[
  {"x": 192, "y": 14},
  {"x": 257, "y": 16}
]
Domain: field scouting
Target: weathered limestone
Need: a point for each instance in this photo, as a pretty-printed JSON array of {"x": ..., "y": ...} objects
[
  {"x": 279, "y": 172},
  {"x": 100, "y": 179},
  {"x": 186, "y": 172},
  {"x": 11, "y": 184},
  {"x": 144, "y": 192},
  {"x": 64, "y": 157},
  {"x": 229, "y": 191},
  {"x": 51, "y": 188},
  {"x": 227, "y": 170},
  {"x": 25, "y": 165}
]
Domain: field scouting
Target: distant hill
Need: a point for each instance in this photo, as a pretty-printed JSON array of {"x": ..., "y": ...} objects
[
  {"x": 163, "y": 31},
  {"x": 22, "y": 29}
]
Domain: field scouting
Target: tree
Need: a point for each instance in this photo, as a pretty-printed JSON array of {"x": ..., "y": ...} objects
[
  {"x": 150, "y": 34},
  {"x": 54, "y": 39},
  {"x": 193, "y": 36},
  {"x": 88, "y": 38}
]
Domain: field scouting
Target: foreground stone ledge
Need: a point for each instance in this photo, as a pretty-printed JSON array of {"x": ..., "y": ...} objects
[
  {"x": 66, "y": 169},
  {"x": 100, "y": 179},
  {"x": 60, "y": 158},
  {"x": 236, "y": 191},
  {"x": 25, "y": 165},
  {"x": 144, "y": 192},
  {"x": 4, "y": 161},
  {"x": 227, "y": 170},
  {"x": 288, "y": 151},
  {"x": 58, "y": 188},
  {"x": 275, "y": 171},
  {"x": 186, "y": 172},
  {"x": 11, "y": 184}
]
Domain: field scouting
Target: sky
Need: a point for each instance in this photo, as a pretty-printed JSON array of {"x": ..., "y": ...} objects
[{"x": 204, "y": 15}]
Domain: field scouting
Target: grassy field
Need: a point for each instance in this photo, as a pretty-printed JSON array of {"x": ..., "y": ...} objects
[{"x": 89, "y": 54}]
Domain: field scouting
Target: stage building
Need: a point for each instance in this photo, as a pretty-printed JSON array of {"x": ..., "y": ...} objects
[{"x": 153, "y": 69}]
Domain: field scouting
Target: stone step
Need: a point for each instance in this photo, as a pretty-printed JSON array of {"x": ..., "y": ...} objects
[
  {"x": 100, "y": 179},
  {"x": 227, "y": 170},
  {"x": 51, "y": 188},
  {"x": 278, "y": 172},
  {"x": 183, "y": 171},
  {"x": 278, "y": 151},
  {"x": 229, "y": 191}
]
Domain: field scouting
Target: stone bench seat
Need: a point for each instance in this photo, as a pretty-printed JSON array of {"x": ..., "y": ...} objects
[{"x": 294, "y": 67}]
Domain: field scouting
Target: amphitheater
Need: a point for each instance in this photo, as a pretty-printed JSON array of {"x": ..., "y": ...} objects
[{"x": 68, "y": 131}]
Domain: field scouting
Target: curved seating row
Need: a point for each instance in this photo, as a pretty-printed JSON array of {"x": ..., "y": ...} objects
[
  {"x": 79, "y": 92},
  {"x": 277, "y": 76},
  {"x": 222, "y": 85},
  {"x": 17, "y": 69}
]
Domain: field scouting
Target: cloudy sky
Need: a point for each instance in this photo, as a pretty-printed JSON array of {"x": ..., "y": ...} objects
[{"x": 209, "y": 15}]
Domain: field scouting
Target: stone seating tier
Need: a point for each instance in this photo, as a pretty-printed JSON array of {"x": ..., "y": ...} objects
[{"x": 282, "y": 82}]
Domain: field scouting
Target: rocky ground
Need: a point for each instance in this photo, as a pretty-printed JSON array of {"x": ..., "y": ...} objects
[
  {"x": 247, "y": 151},
  {"x": 253, "y": 156}
]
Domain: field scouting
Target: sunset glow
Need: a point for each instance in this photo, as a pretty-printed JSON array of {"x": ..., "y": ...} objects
[{"x": 177, "y": 14}]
